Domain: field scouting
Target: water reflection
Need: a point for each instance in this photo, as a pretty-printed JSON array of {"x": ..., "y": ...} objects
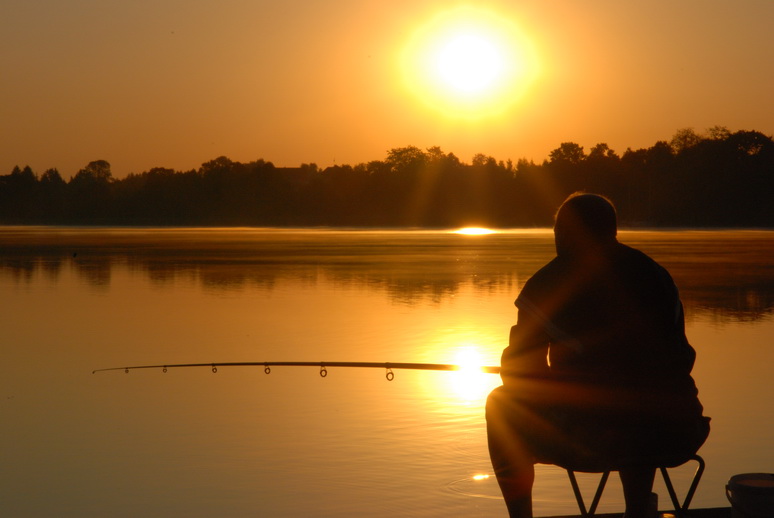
[
  {"x": 481, "y": 485},
  {"x": 113, "y": 297},
  {"x": 94, "y": 270},
  {"x": 723, "y": 274},
  {"x": 470, "y": 383}
]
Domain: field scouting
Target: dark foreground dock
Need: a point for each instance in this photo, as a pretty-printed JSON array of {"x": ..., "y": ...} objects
[{"x": 715, "y": 512}]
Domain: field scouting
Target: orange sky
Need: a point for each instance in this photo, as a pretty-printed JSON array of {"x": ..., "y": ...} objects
[{"x": 174, "y": 83}]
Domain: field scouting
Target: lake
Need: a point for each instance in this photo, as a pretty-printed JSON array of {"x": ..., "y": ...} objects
[{"x": 240, "y": 442}]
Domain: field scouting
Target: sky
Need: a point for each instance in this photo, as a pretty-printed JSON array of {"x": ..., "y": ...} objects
[{"x": 176, "y": 83}]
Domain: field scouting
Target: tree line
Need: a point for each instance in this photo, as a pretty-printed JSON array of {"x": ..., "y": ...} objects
[{"x": 717, "y": 178}]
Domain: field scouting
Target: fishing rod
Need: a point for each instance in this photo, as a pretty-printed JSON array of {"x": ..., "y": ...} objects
[{"x": 388, "y": 366}]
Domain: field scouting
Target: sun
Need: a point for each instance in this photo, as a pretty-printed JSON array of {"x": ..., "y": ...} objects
[{"x": 468, "y": 62}]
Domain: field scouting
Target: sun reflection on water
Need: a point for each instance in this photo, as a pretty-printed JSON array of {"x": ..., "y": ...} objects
[
  {"x": 474, "y": 231},
  {"x": 471, "y": 383}
]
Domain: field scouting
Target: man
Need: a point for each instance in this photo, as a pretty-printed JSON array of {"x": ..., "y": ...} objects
[{"x": 597, "y": 371}]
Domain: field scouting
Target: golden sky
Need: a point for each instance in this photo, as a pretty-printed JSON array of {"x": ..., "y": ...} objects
[{"x": 174, "y": 83}]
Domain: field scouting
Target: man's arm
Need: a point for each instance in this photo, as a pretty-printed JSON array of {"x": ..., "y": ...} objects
[{"x": 526, "y": 354}]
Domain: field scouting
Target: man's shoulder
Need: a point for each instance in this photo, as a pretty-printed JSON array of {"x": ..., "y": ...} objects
[
  {"x": 545, "y": 278},
  {"x": 631, "y": 252},
  {"x": 645, "y": 273},
  {"x": 638, "y": 258}
]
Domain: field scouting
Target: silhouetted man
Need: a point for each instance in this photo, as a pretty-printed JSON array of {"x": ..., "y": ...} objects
[{"x": 598, "y": 368}]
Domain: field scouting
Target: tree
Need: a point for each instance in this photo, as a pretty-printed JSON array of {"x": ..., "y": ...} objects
[
  {"x": 52, "y": 177},
  {"x": 18, "y": 195},
  {"x": 405, "y": 159},
  {"x": 684, "y": 139},
  {"x": 25, "y": 175},
  {"x": 310, "y": 168},
  {"x": 90, "y": 193},
  {"x": 481, "y": 160},
  {"x": 567, "y": 153},
  {"x": 718, "y": 133},
  {"x": 751, "y": 143},
  {"x": 98, "y": 171},
  {"x": 603, "y": 172},
  {"x": 435, "y": 154},
  {"x": 52, "y": 196},
  {"x": 601, "y": 151},
  {"x": 219, "y": 165}
]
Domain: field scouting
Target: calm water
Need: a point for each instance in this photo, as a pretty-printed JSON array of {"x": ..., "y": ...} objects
[{"x": 239, "y": 443}]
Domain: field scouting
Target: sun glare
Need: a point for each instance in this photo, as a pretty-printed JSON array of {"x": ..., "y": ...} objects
[
  {"x": 468, "y": 62},
  {"x": 469, "y": 360},
  {"x": 474, "y": 231},
  {"x": 471, "y": 382}
]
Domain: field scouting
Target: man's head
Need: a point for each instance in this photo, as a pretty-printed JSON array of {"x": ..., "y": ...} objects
[{"x": 584, "y": 222}]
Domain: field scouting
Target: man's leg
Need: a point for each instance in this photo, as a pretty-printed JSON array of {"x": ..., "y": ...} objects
[
  {"x": 517, "y": 492},
  {"x": 513, "y": 464},
  {"x": 637, "y": 486}
]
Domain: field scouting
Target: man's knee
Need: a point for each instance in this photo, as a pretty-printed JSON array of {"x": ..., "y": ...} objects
[{"x": 497, "y": 403}]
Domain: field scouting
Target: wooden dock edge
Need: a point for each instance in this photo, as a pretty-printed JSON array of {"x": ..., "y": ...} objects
[{"x": 714, "y": 512}]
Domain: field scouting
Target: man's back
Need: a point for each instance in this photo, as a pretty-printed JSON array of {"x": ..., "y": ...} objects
[
  {"x": 618, "y": 390},
  {"x": 622, "y": 311},
  {"x": 616, "y": 338}
]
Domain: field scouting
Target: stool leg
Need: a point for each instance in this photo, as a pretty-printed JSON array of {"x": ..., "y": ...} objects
[
  {"x": 576, "y": 491},
  {"x": 670, "y": 490},
  {"x": 681, "y": 509},
  {"x": 696, "y": 479},
  {"x": 598, "y": 494},
  {"x": 579, "y": 497}
]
